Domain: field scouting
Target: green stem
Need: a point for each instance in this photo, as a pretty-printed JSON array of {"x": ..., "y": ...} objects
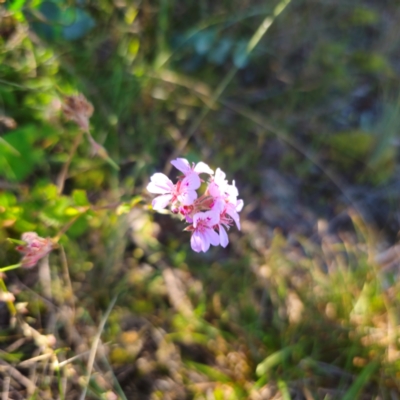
[
  {"x": 10, "y": 267},
  {"x": 16, "y": 241},
  {"x": 10, "y": 304}
]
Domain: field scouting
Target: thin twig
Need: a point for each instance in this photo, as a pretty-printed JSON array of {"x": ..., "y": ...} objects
[
  {"x": 23, "y": 380},
  {"x": 33, "y": 360},
  {"x": 45, "y": 277},
  {"x": 70, "y": 360},
  {"x": 6, "y": 388},
  {"x": 64, "y": 171},
  {"x": 118, "y": 387},
  {"x": 16, "y": 345},
  {"x": 67, "y": 280},
  {"x": 64, "y": 384},
  {"x": 95, "y": 345}
]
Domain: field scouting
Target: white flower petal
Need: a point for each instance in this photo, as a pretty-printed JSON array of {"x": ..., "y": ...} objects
[
  {"x": 205, "y": 241},
  {"x": 195, "y": 242},
  {"x": 231, "y": 211},
  {"x": 232, "y": 191},
  {"x": 212, "y": 237},
  {"x": 191, "y": 181},
  {"x": 154, "y": 188},
  {"x": 219, "y": 205},
  {"x": 219, "y": 177},
  {"x": 223, "y": 236},
  {"x": 211, "y": 218},
  {"x": 160, "y": 184},
  {"x": 182, "y": 165},
  {"x": 214, "y": 190},
  {"x": 203, "y": 168},
  {"x": 239, "y": 205},
  {"x": 188, "y": 198},
  {"x": 160, "y": 202}
]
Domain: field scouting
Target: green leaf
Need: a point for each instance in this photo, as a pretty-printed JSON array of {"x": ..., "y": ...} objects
[
  {"x": 23, "y": 140},
  {"x": 7, "y": 200},
  {"x": 210, "y": 372},
  {"x": 16, "y": 5},
  {"x": 45, "y": 191},
  {"x": 273, "y": 360},
  {"x": 22, "y": 225},
  {"x": 10, "y": 148},
  {"x": 364, "y": 16},
  {"x": 283, "y": 388},
  {"x": 373, "y": 63},
  {"x": 80, "y": 197},
  {"x": 82, "y": 24},
  {"x": 79, "y": 227}
]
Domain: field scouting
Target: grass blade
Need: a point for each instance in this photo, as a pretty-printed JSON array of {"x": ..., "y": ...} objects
[{"x": 362, "y": 380}]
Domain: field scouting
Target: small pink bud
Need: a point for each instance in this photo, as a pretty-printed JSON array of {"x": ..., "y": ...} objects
[{"x": 35, "y": 248}]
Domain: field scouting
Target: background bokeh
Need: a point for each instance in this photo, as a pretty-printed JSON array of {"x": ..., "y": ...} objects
[{"x": 297, "y": 101}]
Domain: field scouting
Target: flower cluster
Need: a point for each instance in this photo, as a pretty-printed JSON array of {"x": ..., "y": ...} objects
[{"x": 210, "y": 215}]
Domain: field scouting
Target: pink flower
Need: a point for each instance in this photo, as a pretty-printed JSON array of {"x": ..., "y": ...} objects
[
  {"x": 203, "y": 231},
  {"x": 35, "y": 248},
  {"x": 225, "y": 196},
  {"x": 184, "y": 166},
  {"x": 233, "y": 205},
  {"x": 233, "y": 209},
  {"x": 184, "y": 191},
  {"x": 227, "y": 215},
  {"x": 219, "y": 186}
]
